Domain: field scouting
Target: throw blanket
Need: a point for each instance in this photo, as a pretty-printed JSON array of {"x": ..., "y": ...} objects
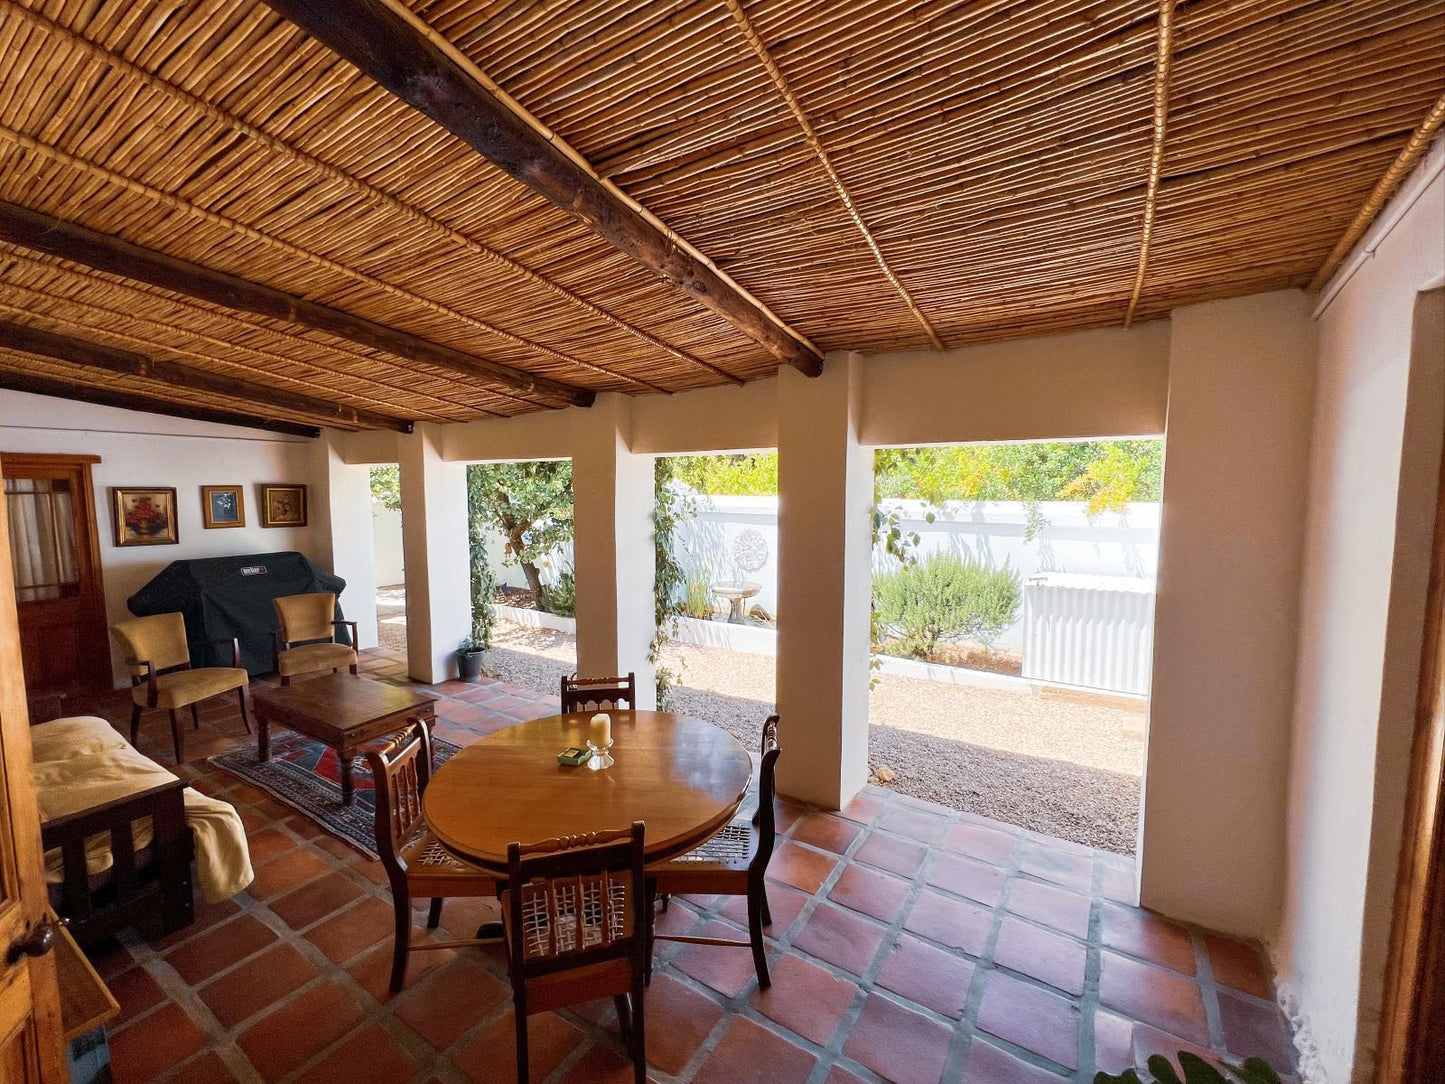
[{"x": 82, "y": 762}]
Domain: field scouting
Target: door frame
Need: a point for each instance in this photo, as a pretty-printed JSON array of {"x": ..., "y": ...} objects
[{"x": 87, "y": 552}]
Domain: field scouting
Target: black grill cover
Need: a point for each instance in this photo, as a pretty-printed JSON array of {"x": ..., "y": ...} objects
[{"x": 225, "y": 597}]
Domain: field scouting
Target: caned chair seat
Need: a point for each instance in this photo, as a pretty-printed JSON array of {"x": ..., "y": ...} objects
[
  {"x": 432, "y": 871},
  {"x": 729, "y": 851},
  {"x": 176, "y": 690},
  {"x": 311, "y": 657}
]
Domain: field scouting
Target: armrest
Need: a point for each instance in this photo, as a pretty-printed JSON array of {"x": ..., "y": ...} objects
[
  {"x": 87, "y": 822},
  {"x": 355, "y": 639},
  {"x": 235, "y": 649},
  {"x": 149, "y": 678}
]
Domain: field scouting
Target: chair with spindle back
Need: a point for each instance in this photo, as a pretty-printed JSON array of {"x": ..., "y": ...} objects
[
  {"x": 599, "y": 693},
  {"x": 734, "y": 862},
  {"x": 577, "y": 930},
  {"x": 416, "y": 864}
]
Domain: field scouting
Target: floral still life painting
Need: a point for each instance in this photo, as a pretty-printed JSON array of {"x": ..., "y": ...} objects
[{"x": 144, "y": 516}]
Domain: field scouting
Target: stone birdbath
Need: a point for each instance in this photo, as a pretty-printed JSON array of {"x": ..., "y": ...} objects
[{"x": 736, "y": 592}]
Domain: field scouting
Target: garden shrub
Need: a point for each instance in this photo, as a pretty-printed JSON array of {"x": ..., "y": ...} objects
[
  {"x": 560, "y": 598},
  {"x": 945, "y": 597}
]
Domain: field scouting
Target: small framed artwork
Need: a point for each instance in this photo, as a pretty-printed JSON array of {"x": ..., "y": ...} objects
[
  {"x": 223, "y": 506},
  {"x": 144, "y": 516},
  {"x": 283, "y": 506}
]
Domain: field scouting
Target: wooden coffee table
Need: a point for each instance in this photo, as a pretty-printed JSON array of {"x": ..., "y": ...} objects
[{"x": 342, "y": 710}]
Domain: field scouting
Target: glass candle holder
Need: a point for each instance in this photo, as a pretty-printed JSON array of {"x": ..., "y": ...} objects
[{"x": 601, "y": 757}]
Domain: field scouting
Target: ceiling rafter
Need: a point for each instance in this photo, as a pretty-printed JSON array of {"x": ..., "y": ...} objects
[
  {"x": 354, "y": 184},
  {"x": 44, "y": 233},
  {"x": 176, "y": 203},
  {"x": 744, "y": 24},
  {"x": 1162, "y": 64},
  {"x": 1411, "y": 153},
  {"x": 11, "y": 380},
  {"x": 389, "y": 43},
  {"x": 79, "y": 351}
]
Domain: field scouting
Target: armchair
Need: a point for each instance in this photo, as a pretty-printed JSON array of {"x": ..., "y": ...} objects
[{"x": 306, "y": 643}]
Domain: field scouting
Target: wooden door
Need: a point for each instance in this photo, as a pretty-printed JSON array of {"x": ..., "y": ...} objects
[
  {"x": 31, "y": 1047},
  {"x": 55, "y": 561}
]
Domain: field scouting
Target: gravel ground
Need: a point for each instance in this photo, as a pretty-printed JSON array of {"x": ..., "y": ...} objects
[
  {"x": 1064, "y": 766},
  {"x": 391, "y": 617}
]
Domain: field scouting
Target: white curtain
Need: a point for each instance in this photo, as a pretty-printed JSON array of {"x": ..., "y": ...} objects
[{"x": 42, "y": 538}]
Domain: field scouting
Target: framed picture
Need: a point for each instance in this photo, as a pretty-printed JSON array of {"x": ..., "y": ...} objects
[
  {"x": 283, "y": 506},
  {"x": 144, "y": 516},
  {"x": 223, "y": 506}
]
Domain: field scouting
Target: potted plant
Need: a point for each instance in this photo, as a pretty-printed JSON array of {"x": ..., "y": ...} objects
[
  {"x": 469, "y": 659},
  {"x": 1196, "y": 1071}
]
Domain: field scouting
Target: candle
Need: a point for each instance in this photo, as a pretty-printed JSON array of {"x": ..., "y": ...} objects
[{"x": 601, "y": 730}]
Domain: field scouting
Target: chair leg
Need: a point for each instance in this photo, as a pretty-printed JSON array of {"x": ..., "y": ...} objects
[
  {"x": 285, "y": 679},
  {"x": 767, "y": 913},
  {"x": 352, "y": 668},
  {"x": 624, "y": 1019},
  {"x": 402, "y": 943},
  {"x": 639, "y": 1039},
  {"x": 519, "y": 1010},
  {"x": 242, "y": 695},
  {"x": 177, "y": 737},
  {"x": 651, "y": 912},
  {"x": 134, "y": 723},
  {"x": 434, "y": 916},
  {"x": 756, "y": 903},
  {"x": 195, "y": 718}
]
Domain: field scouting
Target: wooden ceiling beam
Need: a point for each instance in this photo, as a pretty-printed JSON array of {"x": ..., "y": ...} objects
[
  {"x": 1164, "y": 55},
  {"x": 125, "y": 400},
  {"x": 68, "y": 348},
  {"x": 43, "y": 233},
  {"x": 423, "y": 69}
]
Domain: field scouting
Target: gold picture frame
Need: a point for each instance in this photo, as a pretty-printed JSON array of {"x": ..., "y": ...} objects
[
  {"x": 223, "y": 506},
  {"x": 144, "y": 516},
  {"x": 283, "y": 506}
]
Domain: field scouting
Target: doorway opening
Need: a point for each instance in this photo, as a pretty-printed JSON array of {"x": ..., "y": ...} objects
[
  {"x": 1013, "y": 601},
  {"x": 390, "y": 560}
]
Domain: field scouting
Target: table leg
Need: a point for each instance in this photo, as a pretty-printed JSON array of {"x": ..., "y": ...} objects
[
  {"x": 348, "y": 788},
  {"x": 263, "y": 738}
]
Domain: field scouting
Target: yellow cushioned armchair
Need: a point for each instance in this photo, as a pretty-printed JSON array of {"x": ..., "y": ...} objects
[
  {"x": 161, "y": 676},
  {"x": 308, "y": 622}
]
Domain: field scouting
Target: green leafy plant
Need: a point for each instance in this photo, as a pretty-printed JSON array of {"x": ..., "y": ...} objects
[
  {"x": 560, "y": 596},
  {"x": 750, "y": 474},
  {"x": 1196, "y": 1071},
  {"x": 386, "y": 486},
  {"x": 672, "y": 506},
  {"x": 699, "y": 598},
  {"x": 483, "y": 584},
  {"x": 530, "y": 504},
  {"x": 945, "y": 597}
]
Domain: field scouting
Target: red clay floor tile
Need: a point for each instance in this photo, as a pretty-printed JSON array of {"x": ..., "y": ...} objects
[
  {"x": 370, "y": 1055},
  {"x": 842, "y": 938},
  {"x": 136, "y": 991},
  {"x": 679, "y": 1020},
  {"x": 1136, "y": 932},
  {"x": 751, "y": 1054},
  {"x": 299, "y": 1029},
  {"x": 929, "y": 976},
  {"x": 1239, "y": 966},
  {"x": 316, "y": 900},
  {"x": 206, "y": 1069},
  {"x": 967, "y": 877},
  {"x": 913, "y": 823},
  {"x": 955, "y": 923},
  {"x": 219, "y": 948},
  {"x": 801, "y": 867},
  {"x": 1252, "y": 1028},
  {"x": 1067, "y": 868},
  {"x": 256, "y": 984},
  {"x": 1162, "y": 998},
  {"x": 987, "y": 1064},
  {"x": 783, "y": 904},
  {"x": 899, "y": 1044},
  {"x": 1042, "y": 954},
  {"x": 353, "y": 930},
  {"x": 893, "y": 853},
  {"x": 862, "y": 889},
  {"x": 976, "y": 841},
  {"x": 491, "y": 1058},
  {"x": 1031, "y": 1017},
  {"x": 726, "y": 969},
  {"x": 450, "y": 1001},
  {"x": 1051, "y": 905},
  {"x": 806, "y": 999},
  {"x": 828, "y": 832},
  {"x": 151, "y": 1045}
]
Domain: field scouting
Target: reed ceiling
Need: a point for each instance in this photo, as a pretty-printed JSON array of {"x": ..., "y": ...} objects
[{"x": 871, "y": 175}]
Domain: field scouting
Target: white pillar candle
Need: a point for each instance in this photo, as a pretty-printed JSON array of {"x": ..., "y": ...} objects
[{"x": 601, "y": 729}]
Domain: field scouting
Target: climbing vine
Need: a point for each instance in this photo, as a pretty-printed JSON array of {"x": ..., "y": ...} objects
[{"x": 672, "y": 506}]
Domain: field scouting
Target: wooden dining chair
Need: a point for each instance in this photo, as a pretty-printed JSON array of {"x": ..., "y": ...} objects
[
  {"x": 305, "y": 642},
  {"x": 598, "y": 693},
  {"x": 416, "y": 864},
  {"x": 161, "y": 676},
  {"x": 734, "y": 862},
  {"x": 577, "y": 931}
]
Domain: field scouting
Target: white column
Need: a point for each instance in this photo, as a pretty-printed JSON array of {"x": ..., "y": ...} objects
[
  {"x": 825, "y": 491},
  {"x": 613, "y": 554},
  {"x": 434, "y": 543},
  {"x": 342, "y": 526}
]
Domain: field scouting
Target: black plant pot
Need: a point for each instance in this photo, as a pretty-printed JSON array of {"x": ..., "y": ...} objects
[{"x": 469, "y": 664}]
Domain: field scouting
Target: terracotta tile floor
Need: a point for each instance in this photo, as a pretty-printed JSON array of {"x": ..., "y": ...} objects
[{"x": 912, "y": 944}]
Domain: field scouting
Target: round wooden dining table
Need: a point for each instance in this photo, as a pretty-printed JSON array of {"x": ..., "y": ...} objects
[{"x": 682, "y": 776}]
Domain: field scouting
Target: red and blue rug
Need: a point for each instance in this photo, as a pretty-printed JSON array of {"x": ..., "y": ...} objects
[{"x": 306, "y": 775}]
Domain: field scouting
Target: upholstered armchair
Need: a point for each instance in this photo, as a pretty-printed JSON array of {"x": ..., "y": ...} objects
[
  {"x": 159, "y": 658},
  {"x": 306, "y": 641}
]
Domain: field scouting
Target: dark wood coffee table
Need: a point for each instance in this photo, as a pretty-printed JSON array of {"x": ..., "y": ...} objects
[{"x": 341, "y": 710}]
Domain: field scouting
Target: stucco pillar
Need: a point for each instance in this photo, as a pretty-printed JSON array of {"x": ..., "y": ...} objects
[
  {"x": 613, "y": 554},
  {"x": 825, "y": 494},
  {"x": 342, "y": 520},
  {"x": 434, "y": 547}
]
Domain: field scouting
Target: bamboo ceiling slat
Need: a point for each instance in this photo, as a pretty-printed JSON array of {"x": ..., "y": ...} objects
[{"x": 853, "y": 165}]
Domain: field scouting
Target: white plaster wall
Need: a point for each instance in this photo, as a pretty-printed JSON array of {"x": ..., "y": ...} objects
[
  {"x": 386, "y": 542},
  {"x": 1226, "y": 616},
  {"x": 1376, "y": 447},
  {"x": 153, "y": 450}
]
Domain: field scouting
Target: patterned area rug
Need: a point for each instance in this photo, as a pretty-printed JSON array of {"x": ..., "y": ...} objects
[{"x": 306, "y": 775}]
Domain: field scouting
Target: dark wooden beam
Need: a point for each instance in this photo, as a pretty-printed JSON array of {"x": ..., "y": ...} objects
[
  {"x": 34, "y": 340},
  {"x": 42, "y": 233},
  {"x": 412, "y": 62},
  {"x": 88, "y": 393}
]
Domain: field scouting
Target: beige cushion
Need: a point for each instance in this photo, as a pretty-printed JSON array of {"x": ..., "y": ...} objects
[
  {"x": 305, "y": 617},
  {"x": 188, "y": 686},
  {"x": 309, "y": 657},
  {"x": 159, "y": 640}
]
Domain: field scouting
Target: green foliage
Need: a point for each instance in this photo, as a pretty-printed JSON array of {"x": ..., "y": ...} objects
[
  {"x": 1107, "y": 473},
  {"x": 530, "y": 504},
  {"x": 1196, "y": 1071},
  {"x": 751, "y": 474},
  {"x": 483, "y": 584},
  {"x": 699, "y": 598},
  {"x": 946, "y": 597},
  {"x": 560, "y": 597},
  {"x": 386, "y": 486},
  {"x": 671, "y": 508}
]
